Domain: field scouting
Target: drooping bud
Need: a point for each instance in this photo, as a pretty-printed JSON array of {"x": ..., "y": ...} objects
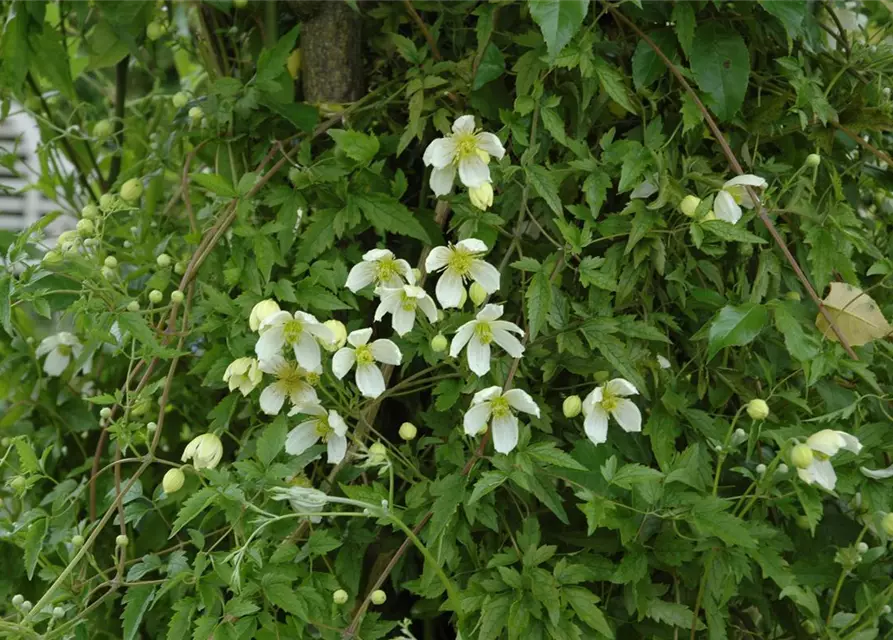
[
  {"x": 572, "y": 406},
  {"x": 758, "y": 409},
  {"x": 260, "y": 311},
  {"x": 205, "y": 451},
  {"x": 478, "y": 294},
  {"x": 862, "y": 547},
  {"x": 155, "y": 296},
  {"x": 887, "y": 524},
  {"x": 761, "y": 469},
  {"x": 177, "y": 296},
  {"x": 482, "y": 196},
  {"x": 801, "y": 456},
  {"x": 689, "y": 205},
  {"x": 739, "y": 436},
  {"x": 173, "y": 481},
  {"x": 121, "y": 540},
  {"x": 378, "y": 454},
  {"x": 339, "y": 335}
]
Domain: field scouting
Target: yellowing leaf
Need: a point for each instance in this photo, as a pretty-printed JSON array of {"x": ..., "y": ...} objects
[
  {"x": 294, "y": 64},
  {"x": 855, "y": 314}
]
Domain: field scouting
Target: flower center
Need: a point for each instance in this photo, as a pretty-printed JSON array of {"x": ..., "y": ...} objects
[
  {"x": 466, "y": 145},
  {"x": 609, "y": 401},
  {"x": 408, "y": 303},
  {"x": 364, "y": 355},
  {"x": 737, "y": 193},
  {"x": 64, "y": 349},
  {"x": 387, "y": 269},
  {"x": 290, "y": 376},
  {"x": 484, "y": 332},
  {"x": 292, "y": 331},
  {"x": 311, "y": 378},
  {"x": 323, "y": 430},
  {"x": 460, "y": 262},
  {"x": 818, "y": 455},
  {"x": 499, "y": 407}
]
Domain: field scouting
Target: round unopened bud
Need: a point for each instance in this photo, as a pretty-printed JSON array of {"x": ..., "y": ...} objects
[
  {"x": 439, "y": 343},
  {"x": 111, "y": 262},
  {"x": 121, "y": 540},
  {"x": 801, "y": 456},
  {"x": 408, "y": 431},
  {"x": 151, "y": 426},
  {"x": 132, "y": 190},
  {"x": 105, "y": 413},
  {"x": 378, "y": 454},
  {"x": 18, "y": 483},
  {"x": 133, "y": 305},
  {"x": 52, "y": 257},
  {"x": 739, "y": 436},
  {"x": 173, "y": 481},
  {"x": 478, "y": 294},
  {"x": 813, "y": 160},
  {"x": 689, "y": 205},
  {"x": 103, "y": 129},
  {"x": 58, "y": 613},
  {"x": 783, "y": 468},
  {"x": 26, "y": 606},
  {"x": 862, "y": 547},
  {"x": 154, "y": 30},
  {"x": 17, "y": 600},
  {"x": 108, "y": 274},
  {"x": 802, "y": 522},
  {"x": 339, "y": 596},
  {"x": 177, "y": 296},
  {"x": 90, "y": 211},
  {"x": 163, "y": 260},
  {"x": 180, "y": 99},
  {"x": 379, "y": 597},
  {"x": 809, "y": 627},
  {"x": 758, "y": 409},
  {"x": 887, "y": 524},
  {"x": 77, "y": 540},
  {"x": 761, "y": 469},
  {"x": 572, "y": 406},
  {"x": 106, "y": 201},
  {"x": 886, "y": 610},
  {"x": 196, "y": 113},
  {"x": 339, "y": 335},
  {"x": 155, "y": 296},
  {"x": 85, "y": 227}
]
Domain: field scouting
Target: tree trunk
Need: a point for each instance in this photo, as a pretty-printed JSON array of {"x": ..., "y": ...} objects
[{"x": 331, "y": 55}]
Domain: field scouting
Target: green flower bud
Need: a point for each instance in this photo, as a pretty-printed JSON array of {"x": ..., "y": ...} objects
[
  {"x": 133, "y": 305},
  {"x": 105, "y": 413},
  {"x": 173, "y": 481},
  {"x": 478, "y": 294},
  {"x": 111, "y": 262},
  {"x": 17, "y": 600},
  {"x": 793, "y": 296},
  {"x": 802, "y": 522},
  {"x": 90, "y": 211},
  {"x": 378, "y": 454},
  {"x": 77, "y": 541},
  {"x": 379, "y": 597},
  {"x": 108, "y": 274},
  {"x": 18, "y": 483},
  {"x": 121, "y": 540},
  {"x": 58, "y": 613},
  {"x": 761, "y": 469},
  {"x": 813, "y": 160},
  {"x": 862, "y": 547},
  {"x": 783, "y": 468},
  {"x": 196, "y": 113},
  {"x": 408, "y": 431},
  {"x": 339, "y": 596},
  {"x": 52, "y": 257},
  {"x": 438, "y": 343},
  {"x": 887, "y": 524},
  {"x": 801, "y": 456},
  {"x": 155, "y": 296},
  {"x": 758, "y": 409},
  {"x": 154, "y": 30},
  {"x": 107, "y": 201},
  {"x": 151, "y": 426},
  {"x": 180, "y": 99},
  {"x": 132, "y": 190},
  {"x": 572, "y": 406},
  {"x": 26, "y": 606},
  {"x": 177, "y": 296},
  {"x": 103, "y": 129},
  {"x": 163, "y": 260},
  {"x": 85, "y": 227},
  {"x": 689, "y": 205},
  {"x": 180, "y": 268}
]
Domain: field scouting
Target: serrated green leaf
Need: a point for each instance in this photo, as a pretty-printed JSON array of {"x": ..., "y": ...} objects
[
  {"x": 214, "y": 183},
  {"x": 612, "y": 82},
  {"x": 546, "y": 187},
  {"x": 27, "y": 457},
  {"x": 736, "y": 326},
  {"x": 491, "y": 67},
  {"x": 358, "y": 146},
  {"x": 548, "y": 453},
  {"x": 192, "y": 506},
  {"x": 558, "y": 20},
  {"x": 387, "y": 214},
  {"x": 683, "y": 18},
  {"x": 272, "y": 440},
  {"x": 720, "y": 62},
  {"x": 584, "y": 605},
  {"x": 283, "y": 596},
  {"x": 731, "y": 232},
  {"x": 672, "y": 613},
  {"x": 488, "y": 482},
  {"x": 181, "y": 621},
  {"x": 647, "y": 65},
  {"x": 37, "y": 531},
  {"x": 539, "y": 302},
  {"x": 316, "y": 237},
  {"x": 136, "y": 603}
]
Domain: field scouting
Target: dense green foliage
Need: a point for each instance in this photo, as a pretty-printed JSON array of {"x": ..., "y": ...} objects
[{"x": 204, "y": 183}]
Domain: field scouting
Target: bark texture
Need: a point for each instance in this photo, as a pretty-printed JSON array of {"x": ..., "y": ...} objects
[{"x": 331, "y": 52}]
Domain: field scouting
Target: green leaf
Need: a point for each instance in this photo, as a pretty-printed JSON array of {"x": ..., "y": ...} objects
[
  {"x": 387, "y": 214},
  {"x": 5, "y": 304},
  {"x": 355, "y": 145},
  {"x": 181, "y": 621},
  {"x": 801, "y": 345},
  {"x": 489, "y": 481},
  {"x": 583, "y": 603},
  {"x": 731, "y": 232},
  {"x": 549, "y": 453},
  {"x": 136, "y": 603},
  {"x": 790, "y": 14},
  {"x": 811, "y": 500},
  {"x": 720, "y": 62},
  {"x": 192, "y": 506},
  {"x": 612, "y": 82},
  {"x": 647, "y": 65},
  {"x": 736, "y": 326},
  {"x": 559, "y": 21},
  {"x": 37, "y": 531},
  {"x": 617, "y": 353},
  {"x": 492, "y": 66},
  {"x": 546, "y": 187},
  {"x": 494, "y": 616},
  {"x": 272, "y": 440},
  {"x": 633, "y": 473},
  {"x": 683, "y": 17},
  {"x": 283, "y": 596},
  {"x": 672, "y": 613},
  {"x": 27, "y": 457},
  {"x": 214, "y": 183},
  {"x": 539, "y": 302},
  {"x": 711, "y": 519},
  {"x": 316, "y": 237}
]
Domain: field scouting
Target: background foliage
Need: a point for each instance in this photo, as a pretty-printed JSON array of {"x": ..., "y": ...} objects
[{"x": 665, "y": 534}]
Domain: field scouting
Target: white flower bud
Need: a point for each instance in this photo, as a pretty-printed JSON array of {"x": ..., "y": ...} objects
[
  {"x": 17, "y": 600},
  {"x": 85, "y": 227},
  {"x": 739, "y": 436},
  {"x": 339, "y": 335},
  {"x": 133, "y": 305},
  {"x": 90, "y": 211},
  {"x": 77, "y": 541},
  {"x": 379, "y": 597},
  {"x": 155, "y": 296},
  {"x": 132, "y": 190},
  {"x": 180, "y": 99},
  {"x": 339, "y": 596},
  {"x": 813, "y": 160},
  {"x": 478, "y": 294},
  {"x": 205, "y": 451},
  {"x": 408, "y": 431},
  {"x": 121, "y": 540},
  {"x": 151, "y": 426},
  {"x": 173, "y": 481},
  {"x": 111, "y": 262},
  {"x": 26, "y": 606},
  {"x": 58, "y": 613},
  {"x": 260, "y": 311},
  {"x": 163, "y": 261},
  {"x": 572, "y": 406},
  {"x": 689, "y": 205},
  {"x": 758, "y": 409},
  {"x": 177, "y": 296},
  {"x": 108, "y": 274},
  {"x": 801, "y": 456},
  {"x": 783, "y": 468},
  {"x": 862, "y": 547},
  {"x": 105, "y": 413},
  {"x": 482, "y": 196},
  {"x": 761, "y": 469},
  {"x": 196, "y": 113},
  {"x": 378, "y": 454}
]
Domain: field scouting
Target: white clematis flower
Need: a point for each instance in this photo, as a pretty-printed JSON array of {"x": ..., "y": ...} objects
[
  {"x": 461, "y": 262},
  {"x": 379, "y": 266},
  {"x": 402, "y": 304},
  {"x": 733, "y": 196},
  {"x": 466, "y": 150},
  {"x": 825, "y": 444},
  {"x": 298, "y": 332},
  {"x": 303, "y": 499},
  {"x": 483, "y": 330},
  {"x": 492, "y": 406},
  {"x": 60, "y": 349},
  {"x": 205, "y": 451},
  {"x": 327, "y": 426},
  {"x": 366, "y": 356},
  {"x": 292, "y": 382},
  {"x": 243, "y": 374},
  {"x": 610, "y": 400}
]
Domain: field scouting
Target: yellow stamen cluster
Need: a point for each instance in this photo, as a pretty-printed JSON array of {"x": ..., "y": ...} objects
[
  {"x": 499, "y": 407},
  {"x": 364, "y": 355},
  {"x": 609, "y": 400},
  {"x": 386, "y": 269},
  {"x": 460, "y": 262},
  {"x": 323, "y": 430},
  {"x": 484, "y": 332},
  {"x": 292, "y": 331}
]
